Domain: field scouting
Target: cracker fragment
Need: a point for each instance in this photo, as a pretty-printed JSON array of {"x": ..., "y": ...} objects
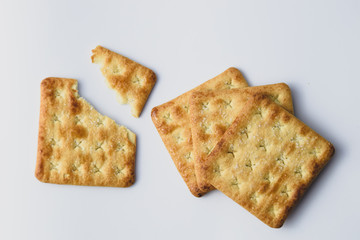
[
  {"x": 266, "y": 161},
  {"x": 131, "y": 81},
  {"x": 79, "y": 146},
  {"x": 173, "y": 124},
  {"x": 209, "y": 124}
]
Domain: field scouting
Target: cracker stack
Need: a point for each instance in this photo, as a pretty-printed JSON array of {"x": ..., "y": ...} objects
[
  {"x": 173, "y": 124},
  {"x": 243, "y": 141}
]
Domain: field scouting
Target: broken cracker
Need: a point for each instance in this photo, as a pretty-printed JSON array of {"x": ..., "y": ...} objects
[
  {"x": 173, "y": 124},
  {"x": 211, "y": 113},
  {"x": 131, "y": 81},
  {"x": 266, "y": 160},
  {"x": 79, "y": 146}
]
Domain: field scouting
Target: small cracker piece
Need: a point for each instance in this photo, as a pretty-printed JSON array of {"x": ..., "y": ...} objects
[
  {"x": 79, "y": 146},
  {"x": 211, "y": 113},
  {"x": 266, "y": 160},
  {"x": 172, "y": 121},
  {"x": 131, "y": 81}
]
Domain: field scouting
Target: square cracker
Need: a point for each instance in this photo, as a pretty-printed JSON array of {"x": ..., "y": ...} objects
[
  {"x": 172, "y": 121},
  {"x": 77, "y": 145},
  {"x": 266, "y": 160},
  {"x": 211, "y": 113},
  {"x": 131, "y": 81}
]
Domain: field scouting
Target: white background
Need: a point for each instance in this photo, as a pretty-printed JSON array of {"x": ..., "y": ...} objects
[{"x": 313, "y": 46}]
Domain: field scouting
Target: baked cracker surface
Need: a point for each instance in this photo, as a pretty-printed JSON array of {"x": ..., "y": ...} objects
[
  {"x": 131, "y": 81},
  {"x": 77, "y": 145},
  {"x": 172, "y": 121},
  {"x": 211, "y": 114},
  {"x": 266, "y": 160}
]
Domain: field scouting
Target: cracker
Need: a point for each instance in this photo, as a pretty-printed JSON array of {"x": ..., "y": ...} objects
[
  {"x": 266, "y": 160},
  {"x": 173, "y": 124},
  {"x": 77, "y": 145},
  {"x": 131, "y": 81},
  {"x": 211, "y": 113}
]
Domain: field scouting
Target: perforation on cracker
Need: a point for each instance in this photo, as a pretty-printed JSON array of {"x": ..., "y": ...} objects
[
  {"x": 278, "y": 177},
  {"x": 172, "y": 118},
  {"x": 131, "y": 81},
  {"x": 77, "y": 145},
  {"x": 209, "y": 124}
]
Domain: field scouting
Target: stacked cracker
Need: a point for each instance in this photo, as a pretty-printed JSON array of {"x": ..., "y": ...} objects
[{"x": 243, "y": 141}]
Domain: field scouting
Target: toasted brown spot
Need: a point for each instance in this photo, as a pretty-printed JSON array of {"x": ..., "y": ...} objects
[
  {"x": 285, "y": 118},
  {"x": 178, "y": 111},
  {"x": 79, "y": 132},
  {"x": 220, "y": 129},
  {"x": 304, "y": 130},
  {"x": 75, "y": 105}
]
